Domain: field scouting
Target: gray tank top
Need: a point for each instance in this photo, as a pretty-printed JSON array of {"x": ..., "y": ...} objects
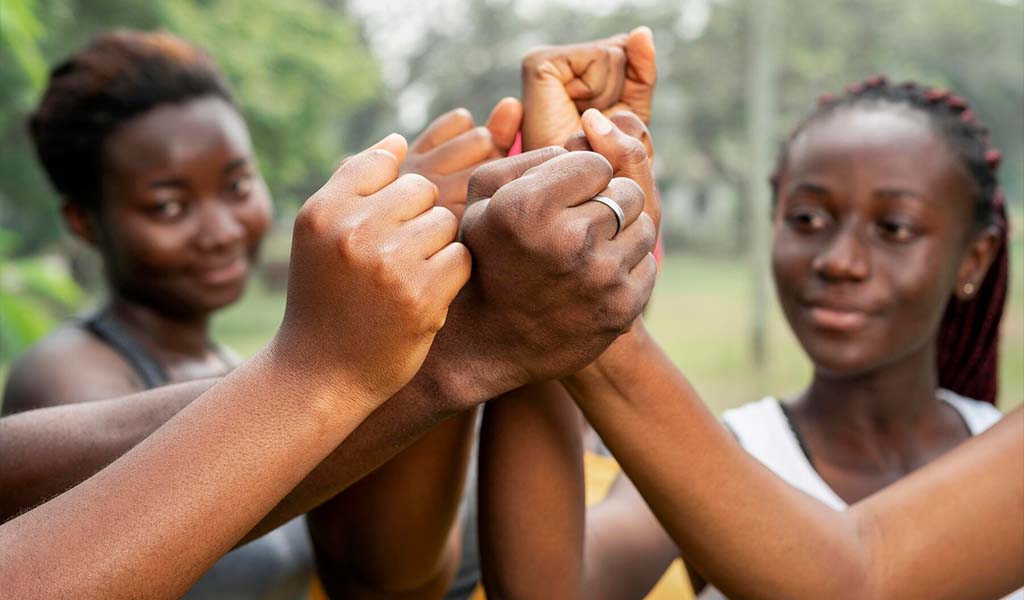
[{"x": 276, "y": 566}]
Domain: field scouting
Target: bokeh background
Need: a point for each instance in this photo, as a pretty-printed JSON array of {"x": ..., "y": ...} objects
[{"x": 318, "y": 79}]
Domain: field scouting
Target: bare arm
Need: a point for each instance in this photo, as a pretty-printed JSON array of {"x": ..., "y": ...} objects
[
  {"x": 153, "y": 521},
  {"x": 530, "y": 470},
  {"x": 79, "y": 439},
  {"x": 723, "y": 508}
]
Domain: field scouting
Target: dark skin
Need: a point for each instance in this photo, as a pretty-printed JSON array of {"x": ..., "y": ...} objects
[
  {"x": 490, "y": 343},
  {"x": 182, "y": 214},
  {"x": 874, "y": 232}
]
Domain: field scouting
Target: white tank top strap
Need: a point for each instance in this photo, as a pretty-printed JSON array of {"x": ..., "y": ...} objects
[
  {"x": 764, "y": 431},
  {"x": 978, "y": 415}
]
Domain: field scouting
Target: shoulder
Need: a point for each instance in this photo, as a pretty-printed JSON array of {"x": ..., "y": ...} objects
[
  {"x": 70, "y": 365},
  {"x": 978, "y": 415}
]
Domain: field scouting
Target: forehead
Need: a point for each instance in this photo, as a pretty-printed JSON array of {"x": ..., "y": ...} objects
[
  {"x": 882, "y": 143},
  {"x": 201, "y": 132}
]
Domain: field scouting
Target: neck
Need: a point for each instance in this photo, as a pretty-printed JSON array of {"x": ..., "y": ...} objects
[
  {"x": 162, "y": 333},
  {"x": 891, "y": 399}
]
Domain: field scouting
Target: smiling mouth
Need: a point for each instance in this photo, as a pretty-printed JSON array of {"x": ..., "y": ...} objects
[
  {"x": 226, "y": 273},
  {"x": 837, "y": 319}
]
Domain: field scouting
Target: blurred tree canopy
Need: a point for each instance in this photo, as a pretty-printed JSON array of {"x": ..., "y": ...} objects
[
  {"x": 319, "y": 78},
  {"x": 469, "y": 56},
  {"x": 299, "y": 71}
]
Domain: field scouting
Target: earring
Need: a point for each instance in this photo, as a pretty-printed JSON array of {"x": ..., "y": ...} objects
[{"x": 968, "y": 289}]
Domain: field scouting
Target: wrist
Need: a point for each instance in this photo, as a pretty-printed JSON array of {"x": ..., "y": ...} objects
[
  {"x": 462, "y": 369},
  {"x": 613, "y": 365},
  {"x": 324, "y": 386}
]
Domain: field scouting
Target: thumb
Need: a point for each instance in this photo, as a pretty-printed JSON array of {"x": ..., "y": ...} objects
[
  {"x": 504, "y": 123},
  {"x": 395, "y": 144},
  {"x": 640, "y": 57}
]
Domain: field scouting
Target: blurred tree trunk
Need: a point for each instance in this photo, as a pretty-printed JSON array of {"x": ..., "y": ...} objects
[{"x": 761, "y": 103}]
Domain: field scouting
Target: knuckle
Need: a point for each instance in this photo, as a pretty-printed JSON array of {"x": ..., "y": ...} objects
[
  {"x": 633, "y": 151},
  {"x": 415, "y": 182},
  {"x": 535, "y": 58},
  {"x": 312, "y": 218},
  {"x": 649, "y": 232},
  {"x": 445, "y": 220},
  {"x": 593, "y": 164},
  {"x": 482, "y": 182}
]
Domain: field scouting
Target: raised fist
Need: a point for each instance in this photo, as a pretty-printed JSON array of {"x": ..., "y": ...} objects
[
  {"x": 451, "y": 148},
  {"x": 555, "y": 278},
  {"x": 374, "y": 266},
  {"x": 560, "y": 82}
]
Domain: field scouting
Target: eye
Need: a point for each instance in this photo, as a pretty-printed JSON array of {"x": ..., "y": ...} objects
[
  {"x": 808, "y": 220},
  {"x": 167, "y": 210},
  {"x": 241, "y": 187},
  {"x": 895, "y": 231}
]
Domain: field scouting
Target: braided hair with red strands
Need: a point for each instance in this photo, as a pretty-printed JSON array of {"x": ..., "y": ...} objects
[{"x": 968, "y": 340}]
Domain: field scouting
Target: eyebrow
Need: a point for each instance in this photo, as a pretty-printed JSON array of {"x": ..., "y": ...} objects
[
  {"x": 813, "y": 188},
  {"x": 896, "y": 193},
  {"x": 237, "y": 163},
  {"x": 178, "y": 183}
]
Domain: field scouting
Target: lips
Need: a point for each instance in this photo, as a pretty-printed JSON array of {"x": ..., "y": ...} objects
[
  {"x": 836, "y": 316},
  {"x": 224, "y": 272}
]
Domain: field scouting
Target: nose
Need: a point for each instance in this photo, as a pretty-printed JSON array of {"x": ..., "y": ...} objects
[
  {"x": 219, "y": 227},
  {"x": 843, "y": 257}
]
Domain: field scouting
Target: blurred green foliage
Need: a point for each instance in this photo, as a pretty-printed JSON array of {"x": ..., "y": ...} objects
[{"x": 34, "y": 290}]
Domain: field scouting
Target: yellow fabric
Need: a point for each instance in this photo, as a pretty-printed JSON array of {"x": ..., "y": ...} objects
[
  {"x": 599, "y": 472},
  {"x": 316, "y": 590}
]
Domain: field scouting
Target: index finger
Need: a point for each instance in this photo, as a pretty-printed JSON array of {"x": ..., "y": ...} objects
[
  {"x": 489, "y": 178},
  {"x": 442, "y": 129}
]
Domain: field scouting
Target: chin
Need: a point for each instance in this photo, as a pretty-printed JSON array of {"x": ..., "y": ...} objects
[
  {"x": 841, "y": 359},
  {"x": 200, "y": 301}
]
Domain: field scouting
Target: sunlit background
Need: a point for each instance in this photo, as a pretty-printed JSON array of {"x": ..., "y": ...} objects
[{"x": 321, "y": 78}]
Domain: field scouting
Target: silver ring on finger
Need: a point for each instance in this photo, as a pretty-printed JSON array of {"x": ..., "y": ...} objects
[{"x": 620, "y": 217}]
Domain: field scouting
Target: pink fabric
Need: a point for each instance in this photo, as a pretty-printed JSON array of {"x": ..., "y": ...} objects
[{"x": 517, "y": 146}]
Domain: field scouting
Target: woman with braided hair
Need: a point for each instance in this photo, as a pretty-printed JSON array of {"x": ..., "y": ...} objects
[{"x": 890, "y": 262}]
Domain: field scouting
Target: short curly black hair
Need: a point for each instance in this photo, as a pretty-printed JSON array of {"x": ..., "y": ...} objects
[{"x": 119, "y": 75}]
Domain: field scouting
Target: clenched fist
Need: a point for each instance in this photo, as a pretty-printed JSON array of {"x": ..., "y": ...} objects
[
  {"x": 451, "y": 148},
  {"x": 560, "y": 82},
  {"x": 554, "y": 281},
  {"x": 374, "y": 266}
]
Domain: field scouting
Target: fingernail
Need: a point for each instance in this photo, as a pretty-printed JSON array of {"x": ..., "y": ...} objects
[
  {"x": 389, "y": 137},
  {"x": 599, "y": 123}
]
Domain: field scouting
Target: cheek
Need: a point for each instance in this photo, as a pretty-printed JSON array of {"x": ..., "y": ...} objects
[
  {"x": 141, "y": 247},
  {"x": 791, "y": 261},
  {"x": 922, "y": 280},
  {"x": 256, "y": 216}
]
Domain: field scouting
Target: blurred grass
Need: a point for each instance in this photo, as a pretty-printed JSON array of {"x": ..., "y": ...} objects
[{"x": 700, "y": 316}]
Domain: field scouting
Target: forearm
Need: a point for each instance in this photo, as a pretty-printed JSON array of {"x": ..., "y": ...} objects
[
  {"x": 719, "y": 505},
  {"x": 722, "y": 507},
  {"x": 154, "y": 520},
  {"x": 80, "y": 439},
  {"x": 532, "y": 495},
  {"x": 531, "y": 468},
  {"x": 445, "y": 386},
  {"x": 393, "y": 531}
]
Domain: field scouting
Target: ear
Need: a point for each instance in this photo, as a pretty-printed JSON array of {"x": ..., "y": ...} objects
[
  {"x": 80, "y": 221},
  {"x": 976, "y": 262}
]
